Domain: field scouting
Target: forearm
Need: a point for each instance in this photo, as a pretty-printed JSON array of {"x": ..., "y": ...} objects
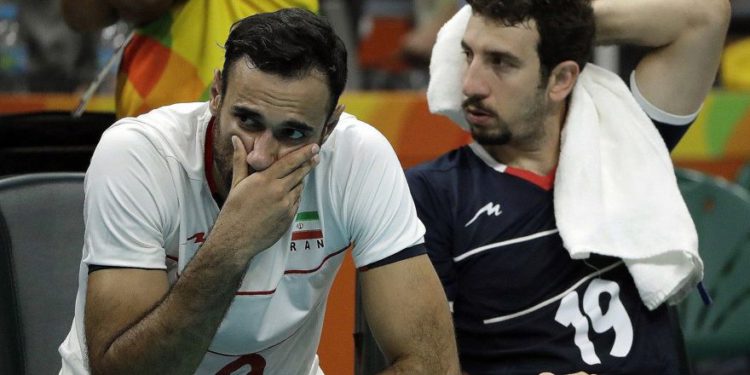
[
  {"x": 140, "y": 12},
  {"x": 173, "y": 337},
  {"x": 439, "y": 361},
  {"x": 88, "y": 15},
  {"x": 92, "y": 15},
  {"x": 656, "y": 23},
  {"x": 408, "y": 365},
  {"x": 689, "y": 34}
]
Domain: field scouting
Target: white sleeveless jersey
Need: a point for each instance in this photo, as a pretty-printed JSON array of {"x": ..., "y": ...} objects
[{"x": 148, "y": 205}]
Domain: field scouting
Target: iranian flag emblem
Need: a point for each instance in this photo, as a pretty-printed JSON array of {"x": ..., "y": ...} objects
[{"x": 307, "y": 226}]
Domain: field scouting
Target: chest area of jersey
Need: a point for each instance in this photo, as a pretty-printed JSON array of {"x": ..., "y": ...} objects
[
  {"x": 495, "y": 213},
  {"x": 284, "y": 286},
  {"x": 515, "y": 279}
]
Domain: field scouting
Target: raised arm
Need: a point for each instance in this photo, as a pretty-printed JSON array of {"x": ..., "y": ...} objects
[
  {"x": 409, "y": 317},
  {"x": 91, "y": 15},
  {"x": 135, "y": 324},
  {"x": 688, "y": 36}
]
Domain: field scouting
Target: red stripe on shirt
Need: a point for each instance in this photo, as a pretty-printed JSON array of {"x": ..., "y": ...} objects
[
  {"x": 306, "y": 235},
  {"x": 256, "y": 293},
  {"x": 287, "y": 272},
  {"x": 292, "y": 272},
  {"x": 544, "y": 182}
]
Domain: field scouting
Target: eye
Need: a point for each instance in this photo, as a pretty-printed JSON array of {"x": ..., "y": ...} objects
[
  {"x": 249, "y": 123},
  {"x": 468, "y": 55},
  {"x": 501, "y": 62},
  {"x": 498, "y": 61},
  {"x": 292, "y": 134}
]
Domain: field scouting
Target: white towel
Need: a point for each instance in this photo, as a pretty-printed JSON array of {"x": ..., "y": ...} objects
[
  {"x": 447, "y": 66},
  {"x": 615, "y": 189},
  {"x": 616, "y": 193}
]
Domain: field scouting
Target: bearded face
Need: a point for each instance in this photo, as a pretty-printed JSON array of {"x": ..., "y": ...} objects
[{"x": 494, "y": 129}]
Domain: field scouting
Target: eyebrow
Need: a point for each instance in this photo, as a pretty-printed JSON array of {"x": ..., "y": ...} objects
[
  {"x": 504, "y": 55},
  {"x": 256, "y": 116}
]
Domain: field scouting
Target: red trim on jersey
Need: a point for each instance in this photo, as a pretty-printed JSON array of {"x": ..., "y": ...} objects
[
  {"x": 292, "y": 272},
  {"x": 172, "y": 257},
  {"x": 264, "y": 349},
  {"x": 256, "y": 293},
  {"x": 208, "y": 156},
  {"x": 306, "y": 235},
  {"x": 544, "y": 182},
  {"x": 287, "y": 272}
]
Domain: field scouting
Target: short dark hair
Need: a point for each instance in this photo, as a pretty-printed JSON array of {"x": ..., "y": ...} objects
[
  {"x": 566, "y": 27},
  {"x": 290, "y": 42}
]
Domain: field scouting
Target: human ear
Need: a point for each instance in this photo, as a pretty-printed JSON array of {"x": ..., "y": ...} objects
[
  {"x": 562, "y": 79},
  {"x": 215, "y": 102},
  {"x": 331, "y": 122}
]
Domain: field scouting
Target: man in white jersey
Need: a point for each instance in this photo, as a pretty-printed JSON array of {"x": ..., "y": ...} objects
[{"x": 214, "y": 230}]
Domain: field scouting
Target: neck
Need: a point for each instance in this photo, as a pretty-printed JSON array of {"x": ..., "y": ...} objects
[
  {"x": 221, "y": 187},
  {"x": 538, "y": 153}
]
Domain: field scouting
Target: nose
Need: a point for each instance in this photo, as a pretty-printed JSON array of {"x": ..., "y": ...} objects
[
  {"x": 475, "y": 84},
  {"x": 265, "y": 151}
]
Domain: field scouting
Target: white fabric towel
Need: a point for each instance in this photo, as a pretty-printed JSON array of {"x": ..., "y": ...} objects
[
  {"x": 616, "y": 193},
  {"x": 447, "y": 66},
  {"x": 615, "y": 190}
]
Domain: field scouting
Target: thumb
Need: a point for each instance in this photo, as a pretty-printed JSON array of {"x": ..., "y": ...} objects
[{"x": 239, "y": 165}]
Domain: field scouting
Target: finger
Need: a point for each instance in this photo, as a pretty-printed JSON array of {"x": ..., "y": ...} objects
[
  {"x": 297, "y": 176},
  {"x": 239, "y": 163},
  {"x": 293, "y": 160},
  {"x": 296, "y": 196}
]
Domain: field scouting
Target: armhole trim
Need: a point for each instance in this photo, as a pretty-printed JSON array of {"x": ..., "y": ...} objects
[
  {"x": 406, "y": 253},
  {"x": 657, "y": 114}
]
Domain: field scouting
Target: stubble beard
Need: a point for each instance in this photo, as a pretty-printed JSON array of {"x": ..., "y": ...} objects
[
  {"x": 222, "y": 155},
  {"x": 497, "y": 136},
  {"x": 501, "y": 133}
]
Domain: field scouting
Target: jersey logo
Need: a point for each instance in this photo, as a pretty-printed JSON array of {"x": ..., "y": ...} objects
[
  {"x": 199, "y": 237},
  {"x": 307, "y": 232},
  {"x": 489, "y": 209}
]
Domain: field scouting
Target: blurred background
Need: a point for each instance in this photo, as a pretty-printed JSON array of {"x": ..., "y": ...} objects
[{"x": 46, "y": 68}]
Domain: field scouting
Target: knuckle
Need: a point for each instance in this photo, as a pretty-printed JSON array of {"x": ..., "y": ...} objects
[
  {"x": 289, "y": 201},
  {"x": 277, "y": 191}
]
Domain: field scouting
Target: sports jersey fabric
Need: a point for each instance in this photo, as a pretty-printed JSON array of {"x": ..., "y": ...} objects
[
  {"x": 149, "y": 205},
  {"x": 172, "y": 59},
  {"x": 520, "y": 304}
]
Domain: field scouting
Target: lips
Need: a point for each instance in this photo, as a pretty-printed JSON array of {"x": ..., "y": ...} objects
[{"x": 478, "y": 117}]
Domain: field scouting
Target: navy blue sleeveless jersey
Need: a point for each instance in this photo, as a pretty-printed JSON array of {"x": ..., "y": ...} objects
[{"x": 520, "y": 304}]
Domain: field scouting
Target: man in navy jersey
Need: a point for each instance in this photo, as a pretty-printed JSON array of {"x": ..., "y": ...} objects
[{"x": 488, "y": 206}]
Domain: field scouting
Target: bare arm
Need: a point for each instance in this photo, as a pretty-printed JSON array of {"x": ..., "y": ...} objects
[
  {"x": 136, "y": 325},
  {"x": 91, "y": 15},
  {"x": 408, "y": 313},
  {"x": 142, "y": 11},
  {"x": 689, "y": 34},
  {"x": 417, "y": 44},
  {"x": 88, "y": 15}
]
